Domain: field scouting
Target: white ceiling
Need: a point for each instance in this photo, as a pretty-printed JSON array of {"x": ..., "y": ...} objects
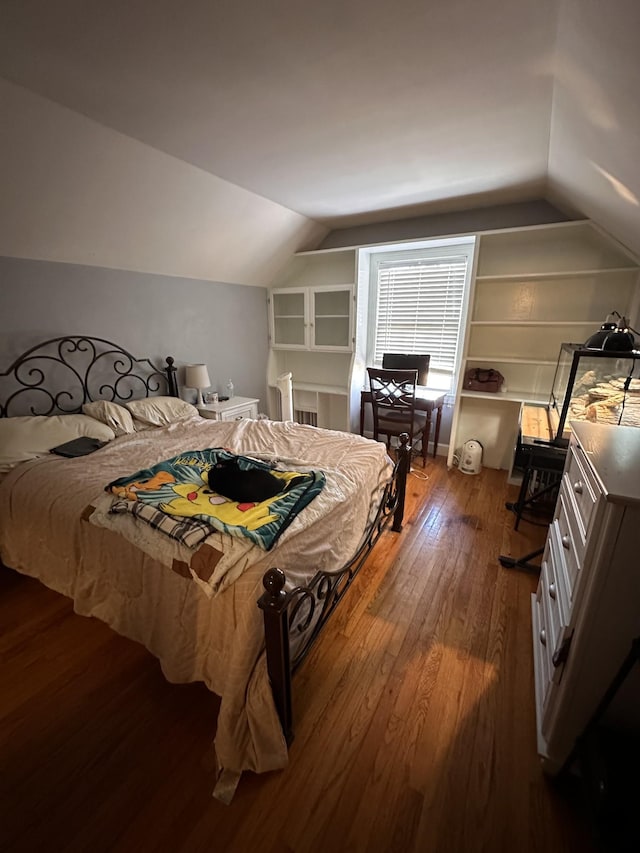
[{"x": 347, "y": 111}]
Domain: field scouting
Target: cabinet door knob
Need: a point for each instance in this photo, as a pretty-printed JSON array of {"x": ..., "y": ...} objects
[
  {"x": 543, "y": 636},
  {"x": 577, "y": 487},
  {"x": 552, "y": 591},
  {"x": 566, "y": 541}
]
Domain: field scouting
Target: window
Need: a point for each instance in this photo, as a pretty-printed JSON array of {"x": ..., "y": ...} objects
[{"x": 418, "y": 298}]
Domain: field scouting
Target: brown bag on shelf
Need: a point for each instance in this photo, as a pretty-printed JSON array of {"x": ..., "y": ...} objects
[{"x": 480, "y": 379}]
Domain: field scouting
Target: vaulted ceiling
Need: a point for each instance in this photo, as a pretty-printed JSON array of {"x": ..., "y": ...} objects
[{"x": 352, "y": 111}]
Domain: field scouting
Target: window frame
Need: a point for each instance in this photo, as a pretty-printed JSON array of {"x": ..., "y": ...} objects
[{"x": 429, "y": 250}]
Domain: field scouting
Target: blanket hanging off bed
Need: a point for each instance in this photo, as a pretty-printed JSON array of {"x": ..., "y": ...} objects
[{"x": 174, "y": 497}]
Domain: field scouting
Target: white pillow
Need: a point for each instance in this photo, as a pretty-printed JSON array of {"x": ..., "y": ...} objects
[
  {"x": 27, "y": 438},
  {"x": 111, "y": 414},
  {"x": 158, "y": 411}
]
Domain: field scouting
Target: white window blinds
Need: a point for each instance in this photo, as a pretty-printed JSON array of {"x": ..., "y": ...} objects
[{"x": 419, "y": 305}]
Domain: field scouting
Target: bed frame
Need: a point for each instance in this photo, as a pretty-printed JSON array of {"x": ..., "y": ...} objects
[
  {"x": 87, "y": 369},
  {"x": 293, "y": 619}
]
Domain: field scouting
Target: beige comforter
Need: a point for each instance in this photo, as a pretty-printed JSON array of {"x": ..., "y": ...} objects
[{"x": 208, "y": 631}]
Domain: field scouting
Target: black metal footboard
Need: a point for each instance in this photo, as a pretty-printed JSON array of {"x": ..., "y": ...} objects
[{"x": 294, "y": 618}]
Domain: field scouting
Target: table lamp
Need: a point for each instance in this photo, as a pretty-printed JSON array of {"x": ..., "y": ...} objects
[{"x": 197, "y": 376}]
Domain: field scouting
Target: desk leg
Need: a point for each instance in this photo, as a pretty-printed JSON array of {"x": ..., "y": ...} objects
[
  {"x": 437, "y": 432},
  {"x": 425, "y": 440},
  {"x": 361, "y": 418}
]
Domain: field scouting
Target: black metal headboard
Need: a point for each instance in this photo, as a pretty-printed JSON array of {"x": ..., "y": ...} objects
[{"x": 60, "y": 375}]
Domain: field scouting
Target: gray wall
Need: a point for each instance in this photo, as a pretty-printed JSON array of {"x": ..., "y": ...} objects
[
  {"x": 222, "y": 325},
  {"x": 445, "y": 223}
]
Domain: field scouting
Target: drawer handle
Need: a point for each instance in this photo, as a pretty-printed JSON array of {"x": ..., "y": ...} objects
[
  {"x": 543, "y": 636},
  {"x": 562, "y": 652},
  {"x": 566, "y": 541},
  {"x": 552, "y": 591},
  {"x": 577, "y": 487},
  {"x": 239, "y": 417}
]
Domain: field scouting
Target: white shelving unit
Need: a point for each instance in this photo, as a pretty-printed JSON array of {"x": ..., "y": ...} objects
[
  {"x": 534, "y": 289},
  {"x": 312, "y": 318}
]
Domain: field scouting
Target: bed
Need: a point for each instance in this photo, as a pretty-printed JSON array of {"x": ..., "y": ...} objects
[{"x": 238, "y": 617}]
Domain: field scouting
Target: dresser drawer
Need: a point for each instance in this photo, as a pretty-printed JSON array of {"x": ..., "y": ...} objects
[
  {"x": 541, "y": 649},
  {"x": 567, "y": 513},
  {"x": 552, "y": 629},
  {"x": 568, "y": 549},
  {"x": 583, "y": 487},
  {"x": 231, "y": 410},
  {"x": 552, "y": 582},
  {"x": 238, "y": 414}
]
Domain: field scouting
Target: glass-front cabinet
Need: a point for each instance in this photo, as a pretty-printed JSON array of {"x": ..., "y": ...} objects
[
  {"x": 316, "y": 318},
  {"x": 331, "y": 318},
  {"x": 289, "y": 319},
  {"x": 594, "y": 385}
]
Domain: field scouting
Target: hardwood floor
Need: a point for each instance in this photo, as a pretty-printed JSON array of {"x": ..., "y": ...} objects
[{"x": 415, "y": 713}]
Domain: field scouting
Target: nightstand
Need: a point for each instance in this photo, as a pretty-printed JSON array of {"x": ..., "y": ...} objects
[{"x": 234, "y": 409}]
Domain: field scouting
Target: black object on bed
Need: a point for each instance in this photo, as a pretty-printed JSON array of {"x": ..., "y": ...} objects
[{"x": 80, "y": 446}]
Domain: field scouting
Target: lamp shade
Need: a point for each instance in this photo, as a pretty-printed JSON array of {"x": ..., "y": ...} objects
[
  {"x": 197, "y": 376},
  {"x": 612, "y": 337}
]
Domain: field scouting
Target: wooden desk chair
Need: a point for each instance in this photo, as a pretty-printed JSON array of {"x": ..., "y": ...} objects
[{"x": 393, "y": 399}]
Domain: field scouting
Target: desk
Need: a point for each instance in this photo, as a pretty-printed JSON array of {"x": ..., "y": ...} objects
[
  {"x": 537, "y": 458},
  {"x": 426, "y": 401},
  {"x": 537, "y": 454}
]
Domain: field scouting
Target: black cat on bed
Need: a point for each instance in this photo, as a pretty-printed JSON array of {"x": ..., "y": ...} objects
[{"x": 250, "y": 486}]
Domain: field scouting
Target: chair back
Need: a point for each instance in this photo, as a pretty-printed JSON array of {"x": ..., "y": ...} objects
[
  {"x": 408, "y": 361},
  {"x": 393, "y": 398}
]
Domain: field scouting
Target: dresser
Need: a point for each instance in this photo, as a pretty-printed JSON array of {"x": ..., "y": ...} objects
[
  {"x": 234, "y": 409},
  {"x": 586, "y": 611}
]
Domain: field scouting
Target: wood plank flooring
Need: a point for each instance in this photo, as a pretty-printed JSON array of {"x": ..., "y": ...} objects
[{"x": 415, "y": 713}]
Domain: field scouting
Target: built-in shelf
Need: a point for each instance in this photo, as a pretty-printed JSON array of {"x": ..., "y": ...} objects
[
  {"x": 533, "y": 276},
  {"x": 506, "y": 359},
  {"x": 317, "y": 388},
  {"x": 527, "y": 280},
  {"x": 507, "y": 396},
  {"x": 532, "y": 323}
]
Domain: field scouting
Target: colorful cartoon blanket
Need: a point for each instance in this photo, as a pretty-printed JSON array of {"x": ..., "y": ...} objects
[{"x": 174, "y": 497}]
